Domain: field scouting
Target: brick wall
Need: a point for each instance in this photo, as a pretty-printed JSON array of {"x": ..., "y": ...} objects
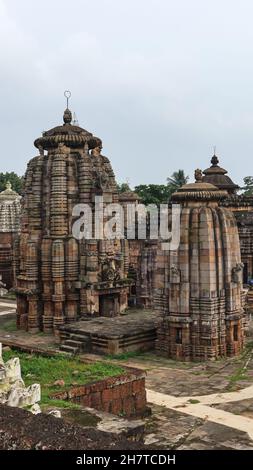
[{"x": 123, "y": 395}]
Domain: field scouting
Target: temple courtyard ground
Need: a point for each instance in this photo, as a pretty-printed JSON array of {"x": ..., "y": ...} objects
[{"x": 194, "y": 405}]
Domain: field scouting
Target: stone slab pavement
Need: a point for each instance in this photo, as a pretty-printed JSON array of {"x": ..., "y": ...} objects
[{"x": 205, "y": 412}]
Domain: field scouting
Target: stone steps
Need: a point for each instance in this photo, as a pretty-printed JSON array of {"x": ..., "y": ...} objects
[
  {"x": 74, "y": 343},
  {"x": 69, "y": 349}
]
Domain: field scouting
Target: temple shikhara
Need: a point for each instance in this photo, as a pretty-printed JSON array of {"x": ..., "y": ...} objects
[
  {"x": 61, "y": 279},
  {"x": 200, "y": 284},
  {"x": 113, "y": 295},
  {"x": 9, "y": 228}
]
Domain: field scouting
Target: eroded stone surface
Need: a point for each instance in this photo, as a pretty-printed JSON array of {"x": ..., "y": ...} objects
[{"x": 12, "y": 388}]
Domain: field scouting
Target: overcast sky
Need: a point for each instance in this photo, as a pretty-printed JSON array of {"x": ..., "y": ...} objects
[{"x": 159, "y": 81}]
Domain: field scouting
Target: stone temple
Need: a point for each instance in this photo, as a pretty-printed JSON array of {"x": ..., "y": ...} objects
[
  {"x": 61, "y": 279},
  {"x": 78, "y": 288},
  {"x": 200, "y": 284},
  {"x": 10, "y": 208}
]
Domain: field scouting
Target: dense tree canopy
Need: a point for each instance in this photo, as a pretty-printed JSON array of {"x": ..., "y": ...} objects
[
  {"x": 15, "y": 180},
  {"x": 160, "y": 193},
  {"x": 248, "y": 186},
  {"x": 153, "y": 193}
]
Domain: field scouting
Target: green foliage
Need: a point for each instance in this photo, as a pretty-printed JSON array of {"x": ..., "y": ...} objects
[
  {"x": 248, "y": 186},
  {"x": 123, "y": 187},
  {"x": 10, "y": 295},
  {"x": 123, "y": 356},
  {"x": 161, "y": 193},
  {"x": 46, "y": 370},
  {"x": 9, "y": 326},
  {"x": 15, "y": 180},
  {"x": 177, "y": 179},
  {"x": 153, "y": 193}
]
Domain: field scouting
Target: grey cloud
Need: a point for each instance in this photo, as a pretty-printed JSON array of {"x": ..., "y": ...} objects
[{"x": 159, "y": 81}]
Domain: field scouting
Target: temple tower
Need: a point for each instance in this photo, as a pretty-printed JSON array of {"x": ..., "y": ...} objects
[
  {"x": 199, "y": 286},
  {"x": 61, "y": 279},
  {"x": 218, "y": 177},
  {"x": 9, "y": 228}
]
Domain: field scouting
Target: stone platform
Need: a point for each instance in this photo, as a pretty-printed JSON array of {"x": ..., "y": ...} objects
[{"x": 133, "y": 331}]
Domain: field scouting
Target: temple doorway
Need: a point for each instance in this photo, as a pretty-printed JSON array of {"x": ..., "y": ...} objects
[
  {"x": 109, "y": 305},
  {"x": 245, "y": 273}
]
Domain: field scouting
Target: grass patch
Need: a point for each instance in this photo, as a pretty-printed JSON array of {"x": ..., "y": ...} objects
[
  {"x": 46, "y": 370},
  {"x": 124, "y": 356},
  {"x": 10, "y": 296},
  {"x": 239, "y": 375},
  {"x": 193, "y": 401},
  {"x": 9, "y": 326},
  {"x": 249, "y": 345}
]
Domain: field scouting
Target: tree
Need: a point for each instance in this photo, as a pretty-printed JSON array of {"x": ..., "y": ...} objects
[
  {"x": 248, "y": 188},
  {"x": 123, "y": 187},
  {"x": 177, "y": 179},
  {"x": 153, "y": 193},
  {"x": 15, "y": 180}
]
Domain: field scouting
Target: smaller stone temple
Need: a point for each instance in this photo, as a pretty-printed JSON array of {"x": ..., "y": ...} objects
[
  {"x": 10, "y": 208},
  {"x": 199, "y": 287}
]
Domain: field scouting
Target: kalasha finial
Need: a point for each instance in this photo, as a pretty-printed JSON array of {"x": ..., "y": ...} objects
[
  {"x": 198, "y": 176},
  {"x": 214, "y": 159},
  {"x": 67, "y": 117},
  {"x": 67, "y": 95},
  {"x": 8, "y": 186}
]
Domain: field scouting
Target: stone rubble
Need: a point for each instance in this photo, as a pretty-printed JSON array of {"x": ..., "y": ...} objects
[{"x": 13, "y": 391}]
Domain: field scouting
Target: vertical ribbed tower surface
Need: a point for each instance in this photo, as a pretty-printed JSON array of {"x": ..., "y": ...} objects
[
  {"x": 199, "y": 286},
  {"x": 61, "y": 279},
  {"x": 10, "y": 208}
]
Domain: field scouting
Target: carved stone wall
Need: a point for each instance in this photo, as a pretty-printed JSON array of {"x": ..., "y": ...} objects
[
  {"x": 9, "y": 228},
  {"x": 242, "y": 208}
]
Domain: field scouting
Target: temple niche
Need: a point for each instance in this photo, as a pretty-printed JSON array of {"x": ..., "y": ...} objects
[
  {"x": 10, "y": 208},
  {"x": 61, "y": 279},
  {"x": 199, "y": 287}
]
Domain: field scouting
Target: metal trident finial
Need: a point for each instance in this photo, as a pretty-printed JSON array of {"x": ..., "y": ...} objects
[{"x": 67, "y": 95}]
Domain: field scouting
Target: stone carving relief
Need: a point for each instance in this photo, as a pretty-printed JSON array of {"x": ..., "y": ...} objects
[
  {"x": 236, "y": 273},
  {"x": 109, "y": 271},
  {"x": 101, "y": 178},
  {"x": 174, "y": 274},
  {"x": 198, "y": 175},
  {"x": 3, "y": 291}
]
